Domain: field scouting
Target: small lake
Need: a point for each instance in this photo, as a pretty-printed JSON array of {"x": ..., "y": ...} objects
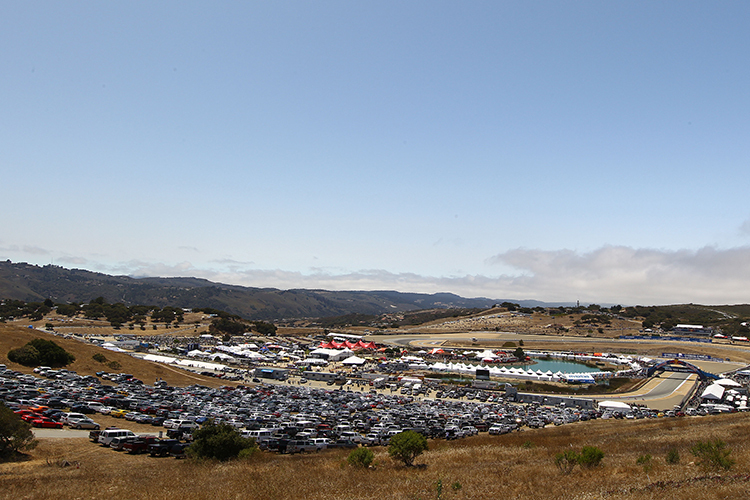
[{"x": 557, "y": 365}]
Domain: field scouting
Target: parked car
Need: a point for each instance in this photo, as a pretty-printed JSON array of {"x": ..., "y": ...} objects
[
  {"x": 118, "y": 443},
  {"x": 343, "y": 443},
  {"x": 161, "y": 448},
  {"x": 83, "y": 424},
  {"x": 140, "y": 444},
  {"x": 301, "y": 446},
  {"x": 47, "y": 423},
  {"x": 106, "y": 436}
]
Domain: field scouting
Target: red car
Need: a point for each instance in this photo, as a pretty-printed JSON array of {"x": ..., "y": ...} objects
[
  {"x": 46, "y": 422},
  {"x": 28, "y": 417}
]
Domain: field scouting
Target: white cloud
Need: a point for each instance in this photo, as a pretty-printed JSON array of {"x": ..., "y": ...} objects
[
  {"x": 745, "y": 228},
  {"x": 611, "y": 274},
  {"x": 630, "y": 276}
]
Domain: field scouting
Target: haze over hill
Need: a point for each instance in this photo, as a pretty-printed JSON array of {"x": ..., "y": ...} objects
[{"x": 28, "y": 282}]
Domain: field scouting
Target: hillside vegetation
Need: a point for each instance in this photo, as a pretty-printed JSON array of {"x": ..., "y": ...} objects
[
  {"x": 36, "y": 283},
  {"x": 13, "y": 337},
  {"x": 514, "y": 466}
]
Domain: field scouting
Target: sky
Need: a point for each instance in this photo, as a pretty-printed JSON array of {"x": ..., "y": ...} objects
[{"x": 556, "y": 151}]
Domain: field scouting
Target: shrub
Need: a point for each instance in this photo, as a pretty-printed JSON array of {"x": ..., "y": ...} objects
[
  {"x": 407, "y": 446},
  {"x": 360, "y": 457},
  {"x": 220, "y": 441},
  {"x": 673, "y": 456},
  {"x": 645, "y": 461},
  {"x": 15, "y": 434},
  {"x": 41, "y": 352},
  {"x": 26, "y": 356},
  {"x": 566, "y": 461},
  {"x": 101, "y": 358},
  {"x": 590, "y": 456},
  {"x": 713, "y": 455}
]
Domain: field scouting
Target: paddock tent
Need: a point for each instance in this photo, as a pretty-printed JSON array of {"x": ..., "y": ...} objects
[
  {"x": 713, "y": 392},
  {"x": 727, "y": 382},
  {"x": 614, "y": 406},
  {"x": 353, "y": 360}
]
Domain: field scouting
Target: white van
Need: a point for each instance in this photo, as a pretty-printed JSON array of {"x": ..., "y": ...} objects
[
  {"x": 107, "y": 435},
  {"x": 259, "y": 435},
  {"x": 67, "y": 417}
]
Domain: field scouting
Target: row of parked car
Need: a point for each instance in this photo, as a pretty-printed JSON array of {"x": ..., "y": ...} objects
[
  {"x": 283, "y": 418},
  {"x": 129, "y": 442}
]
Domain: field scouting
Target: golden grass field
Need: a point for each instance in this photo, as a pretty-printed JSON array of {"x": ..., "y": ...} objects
[
  {"x": 12, "y": 337},
  {"x": 514, "y": 466}
]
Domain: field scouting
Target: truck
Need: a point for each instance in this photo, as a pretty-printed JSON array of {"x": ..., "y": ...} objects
[
  {"x": 162, "y": 447},
  {"x": 139, "y": 445}
]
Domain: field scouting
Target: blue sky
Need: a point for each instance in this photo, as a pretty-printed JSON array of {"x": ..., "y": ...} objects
[{"x": 559, "y": 151}]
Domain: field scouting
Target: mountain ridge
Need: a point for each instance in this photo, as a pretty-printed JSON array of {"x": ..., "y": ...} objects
[{"x": 30, "y": 282}]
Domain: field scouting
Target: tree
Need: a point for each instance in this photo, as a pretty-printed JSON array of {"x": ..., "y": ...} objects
[
  {"x": 267, "y": 329},
  {"x": 407, "y": 446},
  {"x": 519, "y": 354},
  {"x": 41, "y": 352},
  {"x": 15, "y": 434},
  {"x": 220, "y": 441},
  {"x": 26, "y": 356}
]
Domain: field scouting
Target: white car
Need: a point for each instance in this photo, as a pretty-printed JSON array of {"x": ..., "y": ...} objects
[
  {"x": 67, "y": 417},
  {"x": 84, "y": 423}
]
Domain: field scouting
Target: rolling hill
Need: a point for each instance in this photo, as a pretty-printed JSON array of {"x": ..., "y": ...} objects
[{"x": 21, "y": 281}]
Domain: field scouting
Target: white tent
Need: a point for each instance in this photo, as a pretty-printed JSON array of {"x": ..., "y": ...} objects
[
  {"x": 312, "y": 361},
  {"x": 726, "y": 382},
  {"x": 353, "y": 360},
  {"x": 159, "y": 359},
  {"x": 714, "y": 392},
  {"x": 618, "y": 406}
]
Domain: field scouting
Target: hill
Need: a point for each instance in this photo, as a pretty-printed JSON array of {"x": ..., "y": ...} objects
[
  {"x": 516, "y": 466},
  {"x": 12, "y": 337},
  {"x": 28, "y": 282}
]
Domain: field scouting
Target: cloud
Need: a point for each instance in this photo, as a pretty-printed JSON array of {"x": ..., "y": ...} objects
[
  {"x": 745, "y": 228},
  {"x": 76, "y": 261},
  {"x": 25, "y": 249},
  {"x": 632, "y": 276},
  {"x": 611, "y": 274}
]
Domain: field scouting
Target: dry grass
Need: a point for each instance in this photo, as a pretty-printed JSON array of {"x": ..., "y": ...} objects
[
  {"x": 515, "y": 466},
  {"x": 12, "y": 337}
]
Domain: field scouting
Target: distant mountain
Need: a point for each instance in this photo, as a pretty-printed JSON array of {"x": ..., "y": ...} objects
[{"x": 29, "y": 282}]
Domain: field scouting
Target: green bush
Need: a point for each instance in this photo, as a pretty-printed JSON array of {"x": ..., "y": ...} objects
[
  {"x": 26, "y": 356},
  {"x": 591, "y": 456},
  {"x": 360, "y": 457},
  {"x": 41, "y": 352},
  {"x": 407, "y": 446},
  {"x": 101, "y": 358},
  {"x": 713, "y": 455},
  {"x": 645, "y": 461},
  {"x": 221, "y": 442},
  {"x": 673, "y": 456},
  {"x": 566, "y": 461}
]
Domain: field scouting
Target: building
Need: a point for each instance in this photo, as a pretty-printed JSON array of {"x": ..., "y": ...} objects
[
  {"x": 272, "y": 373},
  {"x": 692, "y": 330}
]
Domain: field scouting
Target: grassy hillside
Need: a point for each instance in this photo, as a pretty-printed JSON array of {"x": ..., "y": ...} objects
[
  {"x": 514, "y": 466},
  {"x": 12, "y": 337}
]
